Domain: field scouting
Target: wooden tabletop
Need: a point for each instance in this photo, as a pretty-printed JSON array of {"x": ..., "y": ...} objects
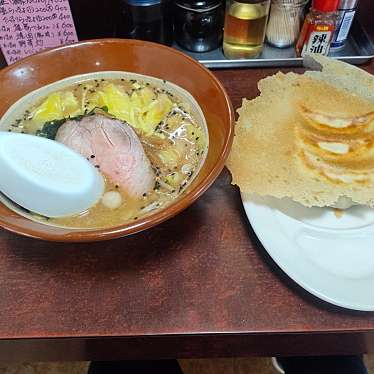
[{"x": 198, "y": 285}]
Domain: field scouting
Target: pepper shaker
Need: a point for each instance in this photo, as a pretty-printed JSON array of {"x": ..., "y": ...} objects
[
  {"x": 150, "y": 20},
  {"x": 198, "y": 24}
]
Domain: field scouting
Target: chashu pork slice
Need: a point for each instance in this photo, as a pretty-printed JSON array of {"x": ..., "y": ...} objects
[{"x": 113, "y": 147}]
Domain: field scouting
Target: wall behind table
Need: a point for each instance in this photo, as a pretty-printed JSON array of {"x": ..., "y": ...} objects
[
  {"x": 94, "y": 18},
  {"x": 97, "y": 18},
  {"x": 366, "y": 15},
  {"x": 2, "y": 60}
]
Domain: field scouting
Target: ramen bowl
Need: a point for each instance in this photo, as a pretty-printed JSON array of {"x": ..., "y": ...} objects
[{"x": 131, "y": 56}]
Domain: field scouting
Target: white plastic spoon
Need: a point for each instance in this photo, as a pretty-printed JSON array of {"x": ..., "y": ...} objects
[{"x": 46, "y": 177}]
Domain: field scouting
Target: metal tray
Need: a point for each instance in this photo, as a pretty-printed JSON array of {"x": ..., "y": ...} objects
[{"x": 358, "y": 50}]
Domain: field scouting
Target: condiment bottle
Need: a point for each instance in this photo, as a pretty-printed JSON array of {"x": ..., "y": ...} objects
[
  {"x": 244, "y": 30},
  {"x": 198, "y": 24},
  {"x": 150, "y": 20},
  {"x": 346, "y": 13},
  {"x": 319, "y": 25}
]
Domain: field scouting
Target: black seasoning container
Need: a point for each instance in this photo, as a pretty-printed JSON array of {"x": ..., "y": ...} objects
[
  {"x": 198, "y": 24},
  {"x": 150, "y": 20}
]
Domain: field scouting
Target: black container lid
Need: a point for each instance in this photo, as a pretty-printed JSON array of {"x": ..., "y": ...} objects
[{"x": 198, "y": 4}]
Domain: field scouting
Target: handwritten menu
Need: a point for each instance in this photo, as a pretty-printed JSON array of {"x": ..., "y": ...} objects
[{"x": 29, "y": 26}]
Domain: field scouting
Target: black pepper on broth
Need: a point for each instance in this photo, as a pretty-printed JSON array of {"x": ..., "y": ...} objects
[{"x": 167, "y": 141}]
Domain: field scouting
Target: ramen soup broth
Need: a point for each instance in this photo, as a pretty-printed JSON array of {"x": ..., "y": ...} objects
[{"x": 166, "y": 119}]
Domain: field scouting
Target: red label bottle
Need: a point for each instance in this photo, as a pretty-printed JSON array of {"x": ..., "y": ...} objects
[{"x": 319, "y": 25}]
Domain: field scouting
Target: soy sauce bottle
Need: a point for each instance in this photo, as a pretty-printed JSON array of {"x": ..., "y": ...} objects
[
  {"x": 146, "y": 20},
  {"x": 199, "y": 24}
]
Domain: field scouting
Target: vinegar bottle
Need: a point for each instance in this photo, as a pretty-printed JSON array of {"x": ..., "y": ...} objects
[{"x": 245, "y": 25}]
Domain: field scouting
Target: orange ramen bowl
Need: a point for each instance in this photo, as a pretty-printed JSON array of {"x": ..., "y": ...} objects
[{"x": 131, "y": 56}]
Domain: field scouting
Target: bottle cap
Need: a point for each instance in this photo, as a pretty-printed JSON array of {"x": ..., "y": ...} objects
[
  {"x": 143, "y": 2},
  {"x": 325, "y": 5}
]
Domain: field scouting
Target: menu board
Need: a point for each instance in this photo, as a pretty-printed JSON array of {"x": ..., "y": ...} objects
[{"x": 29, "y": 26}]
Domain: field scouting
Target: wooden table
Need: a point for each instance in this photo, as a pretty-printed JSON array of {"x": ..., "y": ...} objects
[{"x": 198, "y": 285}]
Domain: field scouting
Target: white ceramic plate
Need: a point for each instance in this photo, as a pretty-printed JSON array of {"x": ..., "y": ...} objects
[{"x": 331, "y": 257}]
